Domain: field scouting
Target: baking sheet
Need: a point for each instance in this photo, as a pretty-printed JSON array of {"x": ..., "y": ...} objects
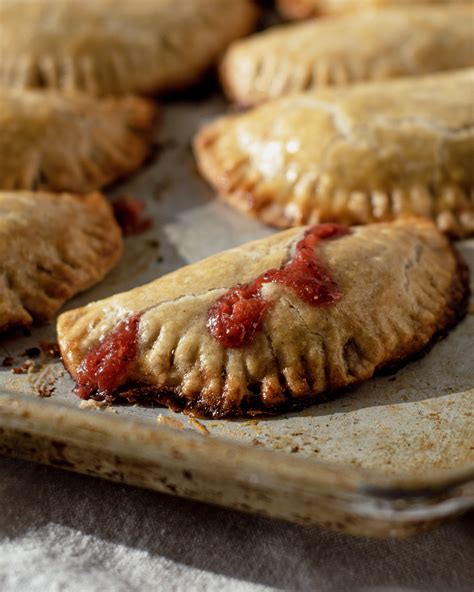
[{"x": 417, "y": 423}]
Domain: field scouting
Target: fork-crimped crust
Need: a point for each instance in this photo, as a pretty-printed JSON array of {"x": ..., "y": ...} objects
[{"x": 402, "y": 285}]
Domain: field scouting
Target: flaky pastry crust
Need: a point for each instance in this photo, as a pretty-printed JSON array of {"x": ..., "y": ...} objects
[
  {"x": 402, "y": 284},
  {"x": 71, "y": 143},
  {"x": 52, "y": 246},
  {"x": 115, "y": 46},
  {"x": 392, "y": 43},
  {"x": 298, "y": 9},
  {"x": 366, "y": 153}
]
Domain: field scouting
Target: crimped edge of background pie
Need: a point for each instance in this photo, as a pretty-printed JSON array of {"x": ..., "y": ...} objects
[
  {"x": 247, "y": 197},
  {"x": 109, "y": 255}
]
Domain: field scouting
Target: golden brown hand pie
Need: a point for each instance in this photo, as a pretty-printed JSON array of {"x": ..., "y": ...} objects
[
  {"x": 51, "y": 247},
  {"x": 367, "y": 153},
  {"x": 398, "y": 285},
  {"x": 339, "y": 51},
  {"x": 70, "y": 143},
  {"x": 296, "y": 9},
  {"x": 115, "y": 46}
]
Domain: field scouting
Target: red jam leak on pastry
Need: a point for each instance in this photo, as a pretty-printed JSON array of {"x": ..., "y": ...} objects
[
  {"x": 105, "y": 367},
  {"x": 130, "y": 215},
  {"x": 413, "y": 289},
  {"x": 236, "y": 317}
]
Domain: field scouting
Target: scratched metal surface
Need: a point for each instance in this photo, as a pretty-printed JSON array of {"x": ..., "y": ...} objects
[{"x": 417, "y": 421}]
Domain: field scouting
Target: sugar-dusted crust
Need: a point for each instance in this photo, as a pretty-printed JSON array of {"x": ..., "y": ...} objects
[
  {"x": 367, "y": 153},
  {"x": 71, "y": 143},
  {"x": 402, "y": 284},
  {"x": 51, "y": 247},
  {"x": 298, "y": 9},
  {"x": 409, "y": 41},
  {"x": 115, "y": 46}
]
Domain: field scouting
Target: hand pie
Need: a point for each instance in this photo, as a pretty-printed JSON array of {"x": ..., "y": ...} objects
[
  {"x": 115, "y": 46},
  {"x": 367, "y": 153},
  {"x": 273, "y": 324},
  {"x": 297, "y": 9},
  {"x": 70, "y": 143},
  {"x": 336, "y": 52},
  {"x": 52, "y": 246}
]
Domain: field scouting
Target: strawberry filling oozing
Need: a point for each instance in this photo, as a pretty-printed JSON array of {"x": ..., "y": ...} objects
[
  {"x": 130, "y": 215},
  {"x": 104, "y": 368},
  {"x": 236, "y": 316},
  {"x": 234, "y": 319}
]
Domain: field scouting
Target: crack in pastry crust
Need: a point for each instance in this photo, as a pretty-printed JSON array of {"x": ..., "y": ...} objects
[
  {"x": 115, "y": 46},
  {"x": 52, "y": 246},
  {"x": 71, "y": 143},
  {"x": 402, "y": 286},
  {"x": 410, "y": 41},
  {"x": 368, "y": 153},
  {"x": 298, "y": 9}
]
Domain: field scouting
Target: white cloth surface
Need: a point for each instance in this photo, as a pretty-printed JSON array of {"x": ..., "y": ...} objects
[{"x": 61, "y": 532}]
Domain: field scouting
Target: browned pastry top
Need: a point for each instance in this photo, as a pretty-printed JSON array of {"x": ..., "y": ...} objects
[
  {"x": 391, "y": 43},
  {"x": 52, "y": 246},
  {"x": 401, "y": 283},
  {"x": 71, "y": 143},
  {"x": 359, "y": 154},
  {"x": 115, "y": 46}
]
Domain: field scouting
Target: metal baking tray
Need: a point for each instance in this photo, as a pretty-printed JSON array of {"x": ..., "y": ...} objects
[{"x": 388, "y": 458}]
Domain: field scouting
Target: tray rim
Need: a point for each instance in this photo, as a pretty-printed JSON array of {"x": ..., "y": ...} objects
[{"x": 16, "y": 409}]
